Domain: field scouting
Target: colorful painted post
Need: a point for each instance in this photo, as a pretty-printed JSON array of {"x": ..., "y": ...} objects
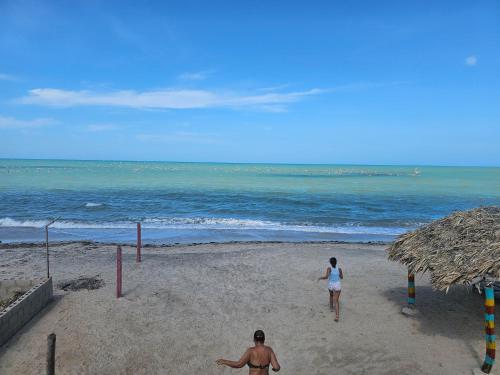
[
  {"x": 489, "y": 325},
  {"x": 411, "y": 289},
  {"x": 118, "y": 272},
  {"x": 139, "y": 243}
]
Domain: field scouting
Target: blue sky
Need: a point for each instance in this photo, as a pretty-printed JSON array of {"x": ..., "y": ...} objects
[{"x": 371, "y": 82}]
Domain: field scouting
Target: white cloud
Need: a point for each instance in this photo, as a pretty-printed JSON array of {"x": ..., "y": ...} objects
[
  {"x": 180, "y": 136},
  {"x": 7, "y": 77},
  {"x": 194, "y": 76},
  {"x": 471, "y": 60},
  {"x": 162, "y": 99},
  {"x": 101, "y": 127},
  {"x": 14, "y": 123}
]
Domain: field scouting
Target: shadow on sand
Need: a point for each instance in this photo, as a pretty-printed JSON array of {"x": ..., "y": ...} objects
[
  {"x": 14, "y": 339},
  {"x": 457, "y": 314}
]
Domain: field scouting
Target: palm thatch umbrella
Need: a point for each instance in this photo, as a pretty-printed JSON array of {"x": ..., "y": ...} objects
[{"x": 463, "y": 248}]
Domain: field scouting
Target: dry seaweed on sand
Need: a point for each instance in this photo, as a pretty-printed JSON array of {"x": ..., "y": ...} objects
[
  {"x": 8, "y": 301},
  {"x": 89, "y": 283},
  {"x": 454, "y": 250}
]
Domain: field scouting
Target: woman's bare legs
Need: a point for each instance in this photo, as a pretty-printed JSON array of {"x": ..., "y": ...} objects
[
  {"x": 336, "y": 296},
  {"x": 331, "y": 300}
]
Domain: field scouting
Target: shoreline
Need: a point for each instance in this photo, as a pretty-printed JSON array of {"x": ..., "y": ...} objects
[{"x": 17, "y": 245}]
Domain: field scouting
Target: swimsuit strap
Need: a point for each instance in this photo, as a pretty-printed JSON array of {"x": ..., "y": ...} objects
[{"x": 251, "y": 365}]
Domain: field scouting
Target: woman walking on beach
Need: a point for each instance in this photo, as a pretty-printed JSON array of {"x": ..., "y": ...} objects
[
  {"x": 334, "y": 275},
  {"x": 258, "y": 358}
]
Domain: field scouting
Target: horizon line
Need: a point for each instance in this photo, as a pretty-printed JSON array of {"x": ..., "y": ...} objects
[{"x": 249, "y": 163}]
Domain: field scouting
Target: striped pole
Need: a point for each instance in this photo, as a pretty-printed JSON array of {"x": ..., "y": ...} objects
[
  {"x": 411, "y": 289},
  {"x": 489, "y": 325}
]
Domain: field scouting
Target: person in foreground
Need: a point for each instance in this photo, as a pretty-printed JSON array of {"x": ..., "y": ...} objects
[
  {"x": 334, "y": 275},
  {"x": 257, "y": 358}
]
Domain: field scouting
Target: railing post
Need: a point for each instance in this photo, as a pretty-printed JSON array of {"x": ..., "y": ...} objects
[
  {"x": 139, "y": 244},
  {"x": 118, "y": 272},
  {"x": 411, "y": 289},
  {"x": 47, "y": 249},
  {"x": 47, "y": 244},
  {"x": 489, "y": 326}
]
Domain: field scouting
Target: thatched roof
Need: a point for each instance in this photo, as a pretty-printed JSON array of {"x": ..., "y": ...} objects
[{"x": 455, "y": 250}]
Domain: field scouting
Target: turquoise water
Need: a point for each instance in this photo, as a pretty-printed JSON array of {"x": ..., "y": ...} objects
[{"x": 200, "y": 202}]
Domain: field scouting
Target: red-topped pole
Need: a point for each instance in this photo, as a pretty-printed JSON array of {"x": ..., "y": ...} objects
[
  {"x": 118, "y": 272},
  {"x": 139, "y": 244}
]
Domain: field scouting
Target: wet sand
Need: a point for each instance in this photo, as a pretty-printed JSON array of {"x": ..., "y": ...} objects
[{"x": 185, "y": 306}]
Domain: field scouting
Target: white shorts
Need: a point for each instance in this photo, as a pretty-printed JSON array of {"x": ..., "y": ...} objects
[{"x": 334, "y": 287}]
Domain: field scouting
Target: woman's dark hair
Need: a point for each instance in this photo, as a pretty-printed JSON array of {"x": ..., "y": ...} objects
[
  {"x": 259, "y": 336},
  {"x": 333, "y": 262}
]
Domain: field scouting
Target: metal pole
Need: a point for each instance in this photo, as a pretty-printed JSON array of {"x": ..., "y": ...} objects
[
  {"x": 47, "y": 249},
  {"x": 47, "y": 244},
  {"x": 118, "y": 272},
  {"x": 51, "y": 354},
  {"x": 489, "y": 326},
  {"x": 139, "y": 244}
]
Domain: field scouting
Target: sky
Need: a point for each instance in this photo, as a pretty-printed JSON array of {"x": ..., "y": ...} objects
[{"x": 361, "y": 82}]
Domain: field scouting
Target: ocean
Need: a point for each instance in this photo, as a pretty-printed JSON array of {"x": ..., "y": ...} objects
[{"x": 220, "y": 202}]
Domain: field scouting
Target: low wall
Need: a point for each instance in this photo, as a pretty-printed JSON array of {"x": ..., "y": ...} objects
[{"x": 16, "y": 315}]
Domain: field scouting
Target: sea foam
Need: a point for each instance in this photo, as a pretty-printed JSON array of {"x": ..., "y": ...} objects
[{"x": 194, "y": 223}]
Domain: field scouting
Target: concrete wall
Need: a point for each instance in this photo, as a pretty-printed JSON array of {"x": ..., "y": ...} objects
[{"x": 26, "y": 307}]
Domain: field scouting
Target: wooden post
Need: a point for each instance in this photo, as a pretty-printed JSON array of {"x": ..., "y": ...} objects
[
  {"x": 51, "y": 354},
  {"x": 118, "y": 272},
  {"x": 139, "y": 244},
  {"x": 411, "y": 289},
  {"x": 47, "y": 249},
  {"x": 489, "y": 325}
]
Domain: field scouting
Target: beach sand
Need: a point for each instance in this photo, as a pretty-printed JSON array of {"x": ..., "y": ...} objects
[{"x": 185, "y": 306}]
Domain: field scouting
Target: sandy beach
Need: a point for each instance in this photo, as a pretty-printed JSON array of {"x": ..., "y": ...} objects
[{"x": 185, "y": 306}]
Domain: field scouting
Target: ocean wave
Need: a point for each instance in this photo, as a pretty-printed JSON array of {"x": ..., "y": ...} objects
[
  {"x": 8, "y": 222},
  {"x": 91, "y": 204},
  {"x": 208, "y": 224}
]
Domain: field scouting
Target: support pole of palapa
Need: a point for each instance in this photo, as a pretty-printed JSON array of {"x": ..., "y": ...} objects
[
  {"x": 411, "y": 289},
  {"x": 489, "y": 325}
]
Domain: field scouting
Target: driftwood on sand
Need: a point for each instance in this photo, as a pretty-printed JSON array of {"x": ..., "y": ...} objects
[{"x": 457, "y": 249}]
